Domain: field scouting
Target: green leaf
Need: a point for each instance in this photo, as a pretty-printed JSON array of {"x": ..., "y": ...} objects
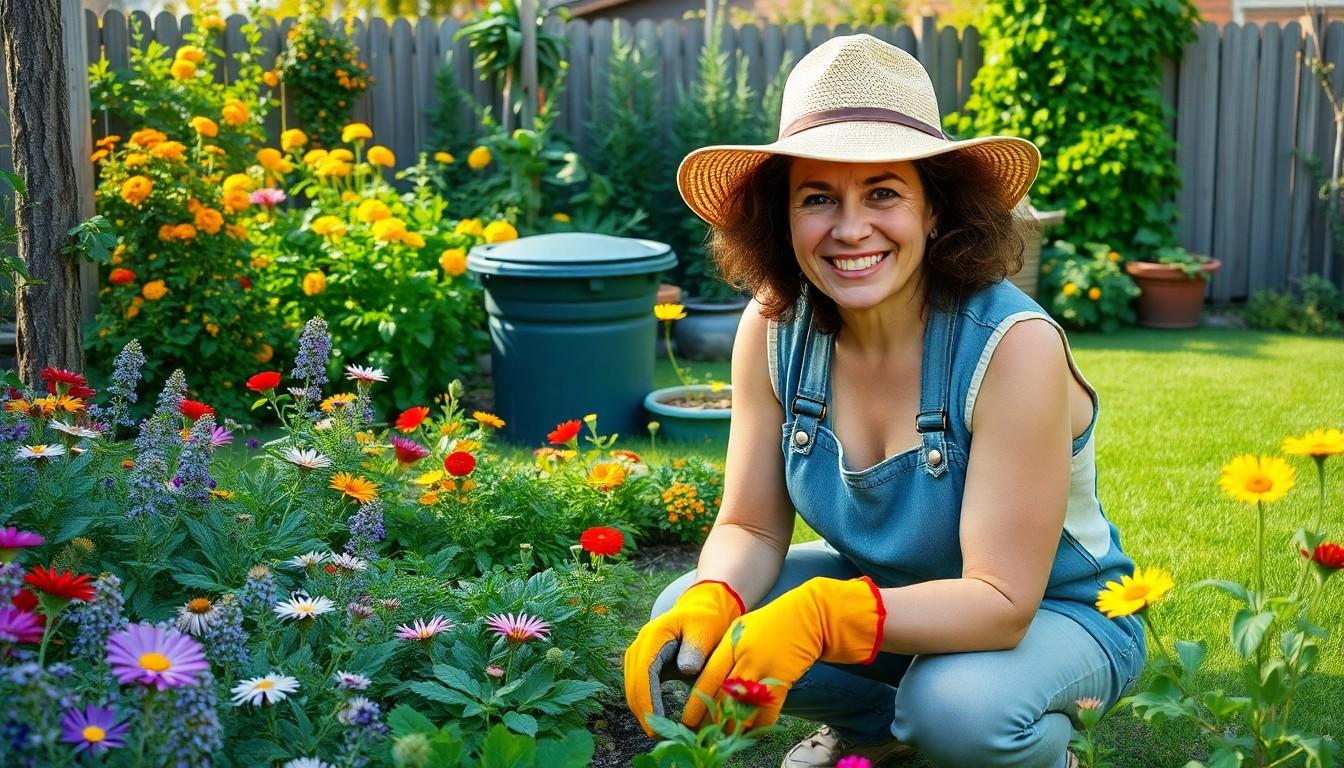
[
  {"x": 1223, "y": 707},
  {"x": 1191, "y": 654},
  {"x": 1231, "y": 588},
  {"x": 1248, "y": 630},
  {"x": 406, "y": 719},
  {"x": 505, "y": 750},
  {"x": 440, "y": 693},
  {"x": 71, "y": 528},
  {"x": 575, "y": 750},
  {"x": 670, "y": 729},
  {"x": 460, "y": 680},
  {"x": 521, "y": 723}
]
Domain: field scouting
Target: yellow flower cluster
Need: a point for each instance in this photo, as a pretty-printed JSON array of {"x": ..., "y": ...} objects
[
  {"x": 184, "y": 65},
  {"x": 682, "y": 502}
]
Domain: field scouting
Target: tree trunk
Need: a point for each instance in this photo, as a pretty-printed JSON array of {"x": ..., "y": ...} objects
[{"x": 49, "y": 313}]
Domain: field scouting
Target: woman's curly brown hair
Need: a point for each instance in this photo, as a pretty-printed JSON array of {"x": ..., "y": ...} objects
[{"x": 977, "y": 245}]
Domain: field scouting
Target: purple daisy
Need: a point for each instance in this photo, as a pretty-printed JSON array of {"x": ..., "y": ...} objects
[
  {"x": 19, "y": 626},
  {"x": 95, "y": 729},
  {"x": 517, "y": 629},
  {"x": 146, "y": 654},
  {"x": 220, "y": 437},
  {"x": 12, "y": 540}
]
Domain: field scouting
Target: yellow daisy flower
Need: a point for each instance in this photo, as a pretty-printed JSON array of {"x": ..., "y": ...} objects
[
  {"x": 1252, "y": 478},
  {"x": 606, "y": 475},
  {"x": 1134, "y": 593},
  {"x": 336, "y": 402},
  {"x": 669, "y": 311},
  {"x": 488, "y": 419},
  {"x": 360, "y": 489},
  {"x": 1318, "y": 444},
  {"x": 430, "y": 478}
]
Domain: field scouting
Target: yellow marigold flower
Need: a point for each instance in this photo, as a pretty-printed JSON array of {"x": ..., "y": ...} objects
[
  {"x": 328, "y": 226},
  {"x": 135, "y": 189},
  {"x": 169, "y": 150},
  {"x": 337, "y": 401},
  {"x": 356, "y": 132},
  {"x": 154, "y": 290},
  {"x": 271, "y": 78},
  {"x": 479, "y": 158},
  {"x": 1134, "y": 593},
  {"x": 450, "y": 428},
  {"x": 134, "y": 160},
  {"x": 271, "y": 159},
  {"x": 468, "y": 227},
  {"x": 235, "y": 112},
  {"x": 1318, "y": 444},
  {"x": 349, "y": 196},
  {"x": 236, "y": 200},
  {"x": 412, "y": 240},
  {"x": 97, "y": 156},
  {"x": 470, "y": 446},
  {"x": 293, "y": 139},
  {"x": 182, "y": 69},
  {"x": 205, "y": 127},
  {"x": 499, "y": 232},
  {"x": 468, "y": 485},
  {"x": 429, "y": 499},
  {"x": 238, "y": 181},
  {"x": 389, "y": 230},
  {"x": 107, "y": 142},
  {"x": 1252, "y": 478},
  {"x": 1094, "y": 293},
  {"x": 429, "y": 478},
  {"x": 488, "y": 419},
  {"x": 669, "y": 311},
  {"x": 454, "y": 261},
  {"x": 147, "y": 137},
  {"x": 445, "y": 158},
  {"x": 212, "y": 329},
  {"x": 342, "y": 154},
  {"x": 380, "y": 155},
  {"x": 314, "y": 156},
  {"x": 361, "y": 489},
  {"x": 209, "y": 221},
  {"x": 132, "y": 311},
  {"x": 1071, "y": 289},
  {"x": 191, "y": 53},
  {"x": 16, "y": 406},
  {"x": 314, "y": 283},
  {"x": 606, "y": 475},
  {"x": 1113, "y": 256},
  {"x": 333, "y": 167},
  {"x": 563, "y": 218},
  {"x": 264, "y": 354},
  {"x": 370, "y": 211}
]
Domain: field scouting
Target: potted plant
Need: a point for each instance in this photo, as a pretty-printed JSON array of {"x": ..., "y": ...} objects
[
  {"x": 1172, "y": 286},
  {"x": 694, "y": 411}
]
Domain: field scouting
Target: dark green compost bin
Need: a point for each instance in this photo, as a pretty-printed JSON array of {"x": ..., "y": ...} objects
[{"x": 571, "y": 329}]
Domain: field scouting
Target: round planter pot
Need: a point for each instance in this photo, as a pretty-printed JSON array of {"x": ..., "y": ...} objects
[
  {"x": 708, "y": 330},
  {"x": 688, "y": 424},
  {"x": 1168, "y": 298}
]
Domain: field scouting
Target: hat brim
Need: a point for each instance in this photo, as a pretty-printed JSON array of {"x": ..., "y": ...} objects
[{"x": 708, "y": 177}]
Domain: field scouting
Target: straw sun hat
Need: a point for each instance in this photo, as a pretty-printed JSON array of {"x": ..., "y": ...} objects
[{"x": 855, "y": 99}]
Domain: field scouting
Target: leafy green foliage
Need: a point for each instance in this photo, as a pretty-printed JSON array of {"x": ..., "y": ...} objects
[
  {"x": 323, "y": 75},
  {"x": 495, "y": 35},
  {"x": 1320, "y": 308},
  {"x": 1086, "y": 289},
  {"x": 1081, "y": 80}
]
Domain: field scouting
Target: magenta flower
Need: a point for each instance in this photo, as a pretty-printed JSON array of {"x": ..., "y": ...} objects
[
  {"x": 517, "y": 629},
  {"x": 494, "y": 670},
  {"x": 408, "y": 451},
  {"x": 422, "y": 630},
  {"x": 95, "y": 729},
  {"x": 145, "y": 654},
  {"x": 220, "y": 437},
  {"x": 12, "y": 540},
  {"x": 268, "y": 197},
  {"x": 854, "y": 761},
  {"x": 19, "y": 626}
]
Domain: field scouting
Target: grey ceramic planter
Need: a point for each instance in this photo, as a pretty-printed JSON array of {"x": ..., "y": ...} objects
[{"x": 708, "y": 330}]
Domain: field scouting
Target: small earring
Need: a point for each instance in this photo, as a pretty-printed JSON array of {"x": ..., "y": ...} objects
[{"x": 933, "y": 233}]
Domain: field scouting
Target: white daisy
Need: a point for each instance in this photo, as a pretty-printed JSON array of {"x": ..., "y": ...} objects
[
  {"x": 306, "y": 762},
  {"x": 197, "y": 616},
  {"x": 264, "y": 690},
  {"x": 39, "y": 451},
  {"x": 74, "y": 430},
  {"x": 348, "y": 562},
  {"x": 351, "y": 681},
  {"x": 306, "y": 459},
  {"x": 323, "y": 425},
  {"x": 301, "y": 606},
  {"x": 360, "y": 373},
  {"x": 309, "y": 559}
]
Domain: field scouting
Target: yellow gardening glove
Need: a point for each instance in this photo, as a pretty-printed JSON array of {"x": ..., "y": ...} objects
[
  {"x": 829, "y": 620},
  {"x": 688, "y": 631}
]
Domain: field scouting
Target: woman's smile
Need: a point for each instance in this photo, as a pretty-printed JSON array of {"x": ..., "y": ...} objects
[{"x": 857, "y": 266}]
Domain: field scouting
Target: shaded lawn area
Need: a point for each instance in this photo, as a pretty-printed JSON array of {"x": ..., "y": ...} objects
[{"x": 1175, "y": 406}]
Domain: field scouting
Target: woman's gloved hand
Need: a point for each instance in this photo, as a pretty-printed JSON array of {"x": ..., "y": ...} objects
[
  {"x": 689, "y": 630},
  {"x": 832, "y": 620}
]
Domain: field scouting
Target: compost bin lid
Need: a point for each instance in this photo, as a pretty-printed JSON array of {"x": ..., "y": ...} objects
[{"x": 571, "y": 254}]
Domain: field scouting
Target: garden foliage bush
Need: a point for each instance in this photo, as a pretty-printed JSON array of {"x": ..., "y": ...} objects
[
  {"x": 1086, "y": 288},
  {"x": 322, "y": 75},
  {"x": 1317, "y": 307},
  {"x": 1081, "y": 80}
]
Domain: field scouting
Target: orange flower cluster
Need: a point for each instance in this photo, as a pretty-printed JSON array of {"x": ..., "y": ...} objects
[{"x": 682, "y": 502}]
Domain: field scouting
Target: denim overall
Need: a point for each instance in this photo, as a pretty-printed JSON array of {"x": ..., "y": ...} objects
[{"x": 898, "y": 523}]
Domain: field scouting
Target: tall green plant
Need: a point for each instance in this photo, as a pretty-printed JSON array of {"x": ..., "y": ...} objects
[
  {"x": 495, "y": 35},
  {"x": 1081, "y": 80},
  {"x": 323, "y": 75}
]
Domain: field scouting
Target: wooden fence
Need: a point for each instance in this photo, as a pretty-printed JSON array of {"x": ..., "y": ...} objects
[{"x": 1247, "y": 112}]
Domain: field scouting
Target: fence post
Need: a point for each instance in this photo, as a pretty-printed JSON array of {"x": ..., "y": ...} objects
[
  {"x": 76, "y": 43},
  {"x": 527, "y": 18}
]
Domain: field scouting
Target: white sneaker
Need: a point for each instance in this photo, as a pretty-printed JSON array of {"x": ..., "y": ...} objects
[{"x": 824, "y": 748}]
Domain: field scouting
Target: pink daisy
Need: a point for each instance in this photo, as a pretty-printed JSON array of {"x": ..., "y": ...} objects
[
  {"x": 517, "y": 629},
  {"x": 423, "y": 631},
  {"x": 268, "y": 197}
]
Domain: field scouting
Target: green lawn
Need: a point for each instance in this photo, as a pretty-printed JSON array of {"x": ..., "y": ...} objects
[{"x": 1175, "y": 407}]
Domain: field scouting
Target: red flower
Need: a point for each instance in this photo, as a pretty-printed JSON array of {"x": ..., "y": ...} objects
[
  {"x": 630, "y": 456},
  {"x": 565, "y": 432},
  {"x": 54, "y": 377},
  {"x": 64, "y": 584},
  {"x": 748, "y": 692},
  {"x": 26, "y": 601},
  {"x": 121, "y": 276},
  {"x": 194, "y": 410},
  {"x": 602, "y": 541},
  {"x": 264, "y": 381},
  {"x": 246, "y": 283},
  {"x": 412, "y": 418},
  {"x": 1329, "y": 555},
  {"x": 459, "y": 463}
]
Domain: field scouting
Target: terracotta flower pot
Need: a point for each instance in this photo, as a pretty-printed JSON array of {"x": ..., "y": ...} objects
[{"x": 1170, "y": 298}]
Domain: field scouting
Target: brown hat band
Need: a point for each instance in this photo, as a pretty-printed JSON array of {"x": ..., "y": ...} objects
[{"x": 860, "y": 114}]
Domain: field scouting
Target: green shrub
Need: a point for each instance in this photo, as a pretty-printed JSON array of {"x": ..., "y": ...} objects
[
  {"x": 1319, "y": 310},
  {"x": 1081, "y": 80},
  {"x": 1086, "y": 288},
  {"x": 323, "y": 75}
]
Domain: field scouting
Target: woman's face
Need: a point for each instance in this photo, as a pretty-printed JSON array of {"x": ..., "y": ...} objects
[{"x": 859, "y": 229}]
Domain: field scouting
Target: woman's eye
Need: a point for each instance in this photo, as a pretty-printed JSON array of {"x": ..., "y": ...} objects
[
  {"x": 815, "y": 199},
  {"x": 884, "y": 193}
]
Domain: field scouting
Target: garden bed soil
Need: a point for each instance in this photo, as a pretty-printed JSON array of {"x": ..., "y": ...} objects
[
  {"x": 721, "y": 402},
  {"x": 675, "y": 556}
]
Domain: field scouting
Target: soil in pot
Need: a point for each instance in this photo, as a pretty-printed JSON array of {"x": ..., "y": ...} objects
[{"x": 716, "y": 402}]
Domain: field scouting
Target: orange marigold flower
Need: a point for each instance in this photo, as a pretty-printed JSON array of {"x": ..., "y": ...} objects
[
  {"x": 454, "y": 261},
  {"x": 606, "y": 475},
  {"x": 154, "y": 290},
  {"x": 182, "y": 69},
  {"x": 121, "y": 276},
  {"x": 135, "y": 189},
  {"x": 360, "y": 489},
  {"x": 235, "y": 112},
  {"x": 488, "y": 419},
  {"x": 380, "y": 155},
  {"x": 205, "y": 127},
  {"x": 147, "y": 137}
]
